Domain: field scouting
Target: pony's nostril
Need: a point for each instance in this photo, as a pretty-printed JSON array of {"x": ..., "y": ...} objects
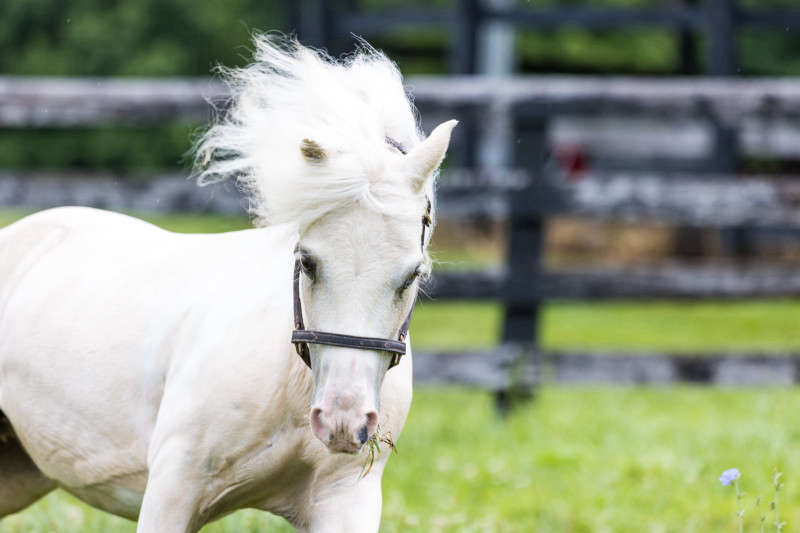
[
  {"x": 372, "y": 423},
  {"x": 316, "y": 416},
  {"x": 319, "y": 427},
  {"x": 341, "y": 431}
]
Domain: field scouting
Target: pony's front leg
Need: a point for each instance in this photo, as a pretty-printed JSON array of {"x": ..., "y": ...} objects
[
  {"x": 173, "y": 495},
  {"x": 348, "y": 507}
]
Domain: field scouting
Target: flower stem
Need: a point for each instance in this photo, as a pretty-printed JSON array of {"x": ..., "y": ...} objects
[
  {"x": 776, "y": 481},
  {"x": 761, "y": 516},
  {"x": 739, "y": 511}
]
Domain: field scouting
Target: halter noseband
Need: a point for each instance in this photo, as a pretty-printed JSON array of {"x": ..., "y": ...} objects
[{"x": 302, "y": 337}]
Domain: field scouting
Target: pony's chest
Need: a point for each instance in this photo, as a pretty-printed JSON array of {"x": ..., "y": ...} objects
[{"x": 272, "y": 475}]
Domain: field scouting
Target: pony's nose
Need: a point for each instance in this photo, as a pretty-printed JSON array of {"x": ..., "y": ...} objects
[{"x": 343, "y": 432}]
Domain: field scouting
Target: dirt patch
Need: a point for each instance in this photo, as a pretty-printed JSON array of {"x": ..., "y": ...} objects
[{"x": 573, "y": 242}]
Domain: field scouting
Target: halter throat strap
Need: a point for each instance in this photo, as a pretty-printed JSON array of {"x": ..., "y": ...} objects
[{"x": 302, "y": 337}]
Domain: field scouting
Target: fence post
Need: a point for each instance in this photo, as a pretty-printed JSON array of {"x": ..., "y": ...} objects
[
  {"x": 723, "y": 62},
  {"x": 687, "y": 43},
  {"x": 722, "y": 33},
  {"x": 315, "y": 23},
  {"x": 736, "y": 242},
  {"x": 524, "y": 254},
  {"x": 308, "y": 20},
  {"x": 495, "y": 58},
  {"x": 464, "y": 44}
]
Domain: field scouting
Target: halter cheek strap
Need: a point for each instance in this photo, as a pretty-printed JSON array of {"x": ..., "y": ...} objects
[{"x": 302, "y": 337}]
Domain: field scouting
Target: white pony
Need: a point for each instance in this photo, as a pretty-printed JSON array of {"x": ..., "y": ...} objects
[{"x": 151, "y": 374}]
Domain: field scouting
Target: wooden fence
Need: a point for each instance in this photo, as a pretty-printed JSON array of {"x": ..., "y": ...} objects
[
  {"x": 329, "y": 24},
  {"x": 527, "y": 196}
]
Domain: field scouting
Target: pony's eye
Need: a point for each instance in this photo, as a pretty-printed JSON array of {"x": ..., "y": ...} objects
[
  {"x": 309, "y": 267},
  {"x": 408, "y": 282}
]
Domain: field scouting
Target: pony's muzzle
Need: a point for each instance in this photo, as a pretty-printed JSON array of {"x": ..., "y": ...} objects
[{"x": 343, "y": 431}]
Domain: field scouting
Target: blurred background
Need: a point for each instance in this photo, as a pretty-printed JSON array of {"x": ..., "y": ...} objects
[{"x": 613, "y": 319}]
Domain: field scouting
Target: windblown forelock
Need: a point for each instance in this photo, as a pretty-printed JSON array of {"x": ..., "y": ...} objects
[{"x": 346, "y": 107}]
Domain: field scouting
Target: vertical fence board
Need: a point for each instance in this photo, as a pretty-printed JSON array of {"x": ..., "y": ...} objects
[
  {"x": 722, "y": 33},
  {"x": 308, "y": 18},
  {"x": 687, "y": 45},
  {"x": 525, "y": 248},
  {"x": 464, "y": 47},
  {"x": 525, "y": 239}
]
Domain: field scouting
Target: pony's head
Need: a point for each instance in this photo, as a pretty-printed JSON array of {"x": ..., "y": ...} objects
[{"x": 333, "y": 148}]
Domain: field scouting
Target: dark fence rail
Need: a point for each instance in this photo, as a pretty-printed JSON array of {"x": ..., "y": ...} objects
[
  {"x": 508, "y": 367},
  {"x": 674, "y": 282}
]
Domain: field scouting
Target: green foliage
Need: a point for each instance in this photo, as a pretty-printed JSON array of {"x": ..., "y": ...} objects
[
  {"x": 128, "y": 149},
  {"x": 770, "y": 53},
  {"x": 117, "y": 38},
  {"x": 120, "y": 38},
  {"x": 641, "y": 51}
]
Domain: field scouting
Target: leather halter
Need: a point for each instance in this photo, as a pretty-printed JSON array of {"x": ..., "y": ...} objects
[{"x": 302, "y": 337}]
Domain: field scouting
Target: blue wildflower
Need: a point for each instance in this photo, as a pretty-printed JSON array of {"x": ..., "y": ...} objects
[{"x": 729, "y": 476}]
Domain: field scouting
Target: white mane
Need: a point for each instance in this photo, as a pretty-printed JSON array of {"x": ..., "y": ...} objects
[{"x": 292, "y": 93}]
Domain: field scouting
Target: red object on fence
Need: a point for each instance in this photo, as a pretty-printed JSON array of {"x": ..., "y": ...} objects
[{"x": 573, "y": 161}]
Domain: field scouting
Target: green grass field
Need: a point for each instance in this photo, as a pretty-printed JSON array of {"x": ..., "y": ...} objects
[
  {"x": 680, "y": 327},
  {"x": 578, "y": 459}
]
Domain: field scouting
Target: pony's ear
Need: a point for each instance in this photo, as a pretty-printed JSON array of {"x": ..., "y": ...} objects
[
  {"x": 312, "y": 151},
  {"x": 426, "y": 157}
]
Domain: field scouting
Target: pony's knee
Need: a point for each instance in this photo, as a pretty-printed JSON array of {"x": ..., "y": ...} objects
[{"x": 356, "y": 509}]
